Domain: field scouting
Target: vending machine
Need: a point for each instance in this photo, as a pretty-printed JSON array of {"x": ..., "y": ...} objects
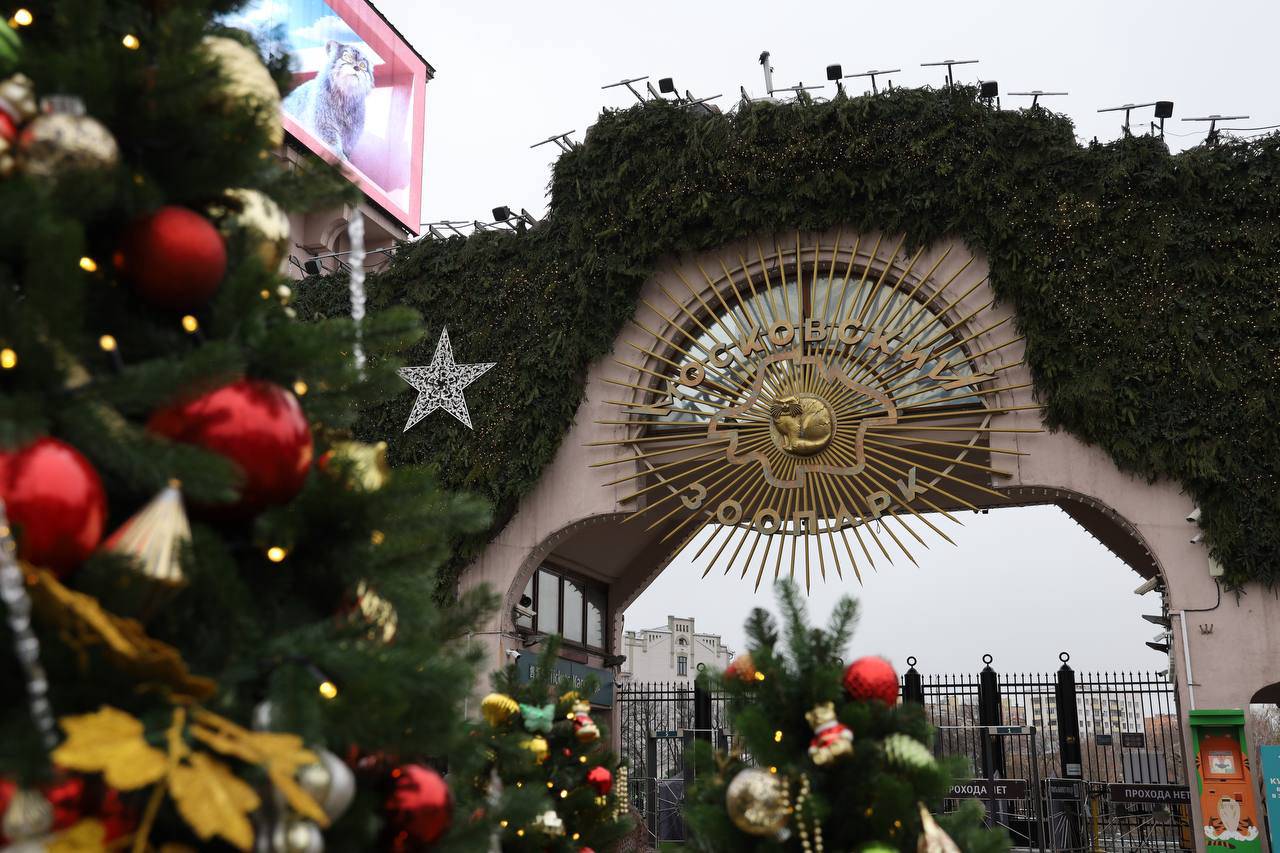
[{"x": 1227, "y": 800}]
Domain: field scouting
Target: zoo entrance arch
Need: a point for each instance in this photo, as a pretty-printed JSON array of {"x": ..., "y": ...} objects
[{"x": 1224, "y": 647}]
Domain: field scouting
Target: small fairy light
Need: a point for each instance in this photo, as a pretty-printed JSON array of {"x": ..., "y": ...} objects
[
  {"x": 88, "y": 264},
  {"x": 8, "y": 358},
  {"x": 299, "y": 387},
  {"x": 23, "y": 17},
  {"x": 190, "y": 324},
  {"x": 519, "y": 784},
  {"x": 328, "y": 689},
  {"x": 520, "y": 832},
  {"x": 759, "y": 676},
  {"x": 551, "y": 784},
  {"x": 377, "y": 537},
  {"x": 576, "y": 836},
  {"x": 502, "y": 823},
  {"x": 265, "y": 294},
  {"x": 276, "y": 554},
  {"x": 582, "y": 759},
  {"x": 563, "y": 793},
  {"x": 107, "y": 343},
  {"x": 131, "y": 41},
  {"x": 773, "y": 769},
  {"x": 777, "y": 736}
]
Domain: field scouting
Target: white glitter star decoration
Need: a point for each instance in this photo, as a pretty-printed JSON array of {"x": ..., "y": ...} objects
[{"x": 440, "y": 384}]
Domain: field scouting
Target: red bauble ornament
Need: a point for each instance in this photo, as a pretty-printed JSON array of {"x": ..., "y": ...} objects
[
  {"x": 421, "y": 806},
  {"x": 67, "y": 798},
  {"x": 55, "y": 499},
  {"x": 255, "y": 424},
  {"x": 174, "y": 257},
  {"x": 8, "y": 130},
  {"x": 741, "y": 668},
  {"x": 600, "y": 778},
  {"x": 872, "y": 678}
]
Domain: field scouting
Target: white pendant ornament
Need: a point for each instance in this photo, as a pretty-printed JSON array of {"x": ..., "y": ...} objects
[{"x": 440, "y": 384}]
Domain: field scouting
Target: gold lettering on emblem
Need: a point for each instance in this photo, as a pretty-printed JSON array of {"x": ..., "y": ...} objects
[
  {"x": 767, "y": 520},
  {"x": 814, "y": 330},
  {"x": 782, "y": 333},
  {"x": 695, "y": 500},
  {"x": 692, "y": 374},
  {"x": 729, "y": 512},
  {"x": 878, "y": 502},
  {"x": 751, "y": 343}
]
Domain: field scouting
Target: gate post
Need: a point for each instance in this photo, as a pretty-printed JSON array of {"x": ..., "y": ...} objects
[
  {"x": 912, "y": 684},
  {"x": 651, "y": 785},
  {"x": 701, "y": 706},
  {"x": 1069, "y": 741},
  {"x": 1068, "y": 720},
  {"x": 989, "y": 714}
]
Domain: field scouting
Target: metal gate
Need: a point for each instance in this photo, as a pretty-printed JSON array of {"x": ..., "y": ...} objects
[{"x": 1088, "y": 751}]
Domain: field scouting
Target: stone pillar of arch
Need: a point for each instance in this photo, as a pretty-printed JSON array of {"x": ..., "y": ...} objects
[{"x": 1225, "y": 648}]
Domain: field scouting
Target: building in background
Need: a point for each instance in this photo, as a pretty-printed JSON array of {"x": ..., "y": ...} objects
[
  {"x": 671, "y": 653},
  {"x": 358, "y": 102}
]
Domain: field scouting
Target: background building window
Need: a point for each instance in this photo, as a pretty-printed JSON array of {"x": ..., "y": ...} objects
[
  {"x": 573, "y": 608},
  {"x": 682, "y": 665}
]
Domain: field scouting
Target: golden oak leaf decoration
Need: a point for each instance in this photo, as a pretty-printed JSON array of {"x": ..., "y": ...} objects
[
  {"x": 280, "y": 754},
  {"x": 84, "y": 623},
  {"x": 110, "y": 742},
  {"x": 213, "y": 800},
  {"x": 86, "y": 836}
]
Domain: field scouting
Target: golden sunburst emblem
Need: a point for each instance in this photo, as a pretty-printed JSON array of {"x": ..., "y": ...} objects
[{"x": 833, "y": 402}]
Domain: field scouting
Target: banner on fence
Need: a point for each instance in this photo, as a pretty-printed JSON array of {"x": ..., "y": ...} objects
[
  {"x": 989, "y": 789},
  {"x": 1159, "y": 794}
]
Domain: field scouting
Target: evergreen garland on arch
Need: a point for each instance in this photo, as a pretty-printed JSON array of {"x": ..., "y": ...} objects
[{"x": 1145, "y": 282}]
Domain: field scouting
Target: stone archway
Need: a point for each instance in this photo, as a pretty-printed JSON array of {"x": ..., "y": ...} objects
[{"x": 578, "y": 516}]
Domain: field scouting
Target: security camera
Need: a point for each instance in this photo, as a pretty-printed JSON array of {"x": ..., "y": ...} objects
[
  {"x": 1195, "y": 540},
  {"x": 1193, "y": 517},
  {"x": 513, "y": 654},
  {"x": 524, "y": 610},
  {"x": 1147, "y": 586}
]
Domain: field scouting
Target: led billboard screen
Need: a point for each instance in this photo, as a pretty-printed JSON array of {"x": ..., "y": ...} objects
[{"x": 358, "y": 96}]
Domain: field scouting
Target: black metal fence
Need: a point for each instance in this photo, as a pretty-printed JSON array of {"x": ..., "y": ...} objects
[{"x": 1070, "y": 737}]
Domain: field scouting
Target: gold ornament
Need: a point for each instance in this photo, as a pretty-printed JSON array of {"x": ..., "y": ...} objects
[
  {"x": 64, "y": 140},
  {"x": 932, "y": 837},
  {"x": 260, "y": 219},
  {"x": 539, "y": 747},
  {"x": 802, "y": 425},
  {"x": 757, "y": 802},
  {"x": 8, "y": 163},
  {"x": 29, "y": 815},
  {"x": 376, "y": 612},
  {"x": 497, "y": 708},
  {"x": 246, "y": 82},
  {"x": 362, "y": 466},
  {"x": 154, "y": 536},
  {"x": 18, "y": 98}
]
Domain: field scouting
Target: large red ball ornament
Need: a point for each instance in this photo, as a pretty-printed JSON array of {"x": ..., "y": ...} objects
[
  {"x": 872, "y": 678},
  {"x": 421, "y": 804},
  {"x": 55, "y": 501},
  {"x": 600, "y": 778},
  {"x": 173, "y": 257},
  {"x": 255, "y": 424}
]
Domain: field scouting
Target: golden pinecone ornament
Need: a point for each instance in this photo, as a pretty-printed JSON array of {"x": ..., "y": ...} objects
[
  {"x": 497, "y": 708},
  {"x": 376, "y": 612},
  {"x": 246, "y": 82},
  {"x": 255, "y": 215}
]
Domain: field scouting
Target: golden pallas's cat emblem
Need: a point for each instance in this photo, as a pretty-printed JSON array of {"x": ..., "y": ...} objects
[{"x": 804, "y": 424}]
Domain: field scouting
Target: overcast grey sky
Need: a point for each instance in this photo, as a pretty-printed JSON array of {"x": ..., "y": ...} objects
[{"x": 1022, "y": 584}]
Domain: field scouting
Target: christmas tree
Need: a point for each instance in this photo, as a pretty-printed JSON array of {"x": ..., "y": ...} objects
[
  {"x": 835, "y": 762},
  {"x": 542, "y": 742},
  {"x": 231, "y": 637}
]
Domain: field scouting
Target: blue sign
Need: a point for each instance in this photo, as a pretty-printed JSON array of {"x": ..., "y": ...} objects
[
  {"x": 577, "y": 672},
  {"x": 1271, "y": 785}
]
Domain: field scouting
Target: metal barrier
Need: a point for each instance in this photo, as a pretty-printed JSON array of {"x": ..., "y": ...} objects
[{"x": 1099, "y": 756}]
